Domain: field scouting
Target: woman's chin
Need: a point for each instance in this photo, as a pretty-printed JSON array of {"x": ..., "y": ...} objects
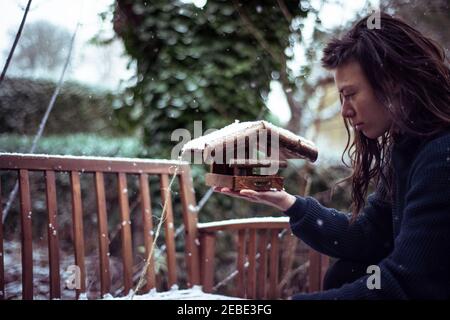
[
  {"x": 369, "y": 133},
  {"x": 372, "y": 135}
]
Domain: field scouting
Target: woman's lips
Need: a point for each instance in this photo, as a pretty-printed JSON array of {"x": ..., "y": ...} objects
[{"x": 358, "y": 126}]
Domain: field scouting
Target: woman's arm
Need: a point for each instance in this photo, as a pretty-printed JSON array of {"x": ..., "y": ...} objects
[
  {"x": 368, "y": 239},
  {"x": 328, "y": 231}
]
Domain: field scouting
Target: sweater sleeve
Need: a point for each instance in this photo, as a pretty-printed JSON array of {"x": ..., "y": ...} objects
[
  {"x": 419, "y": 265},
  {"x": 368, "y": 239}
]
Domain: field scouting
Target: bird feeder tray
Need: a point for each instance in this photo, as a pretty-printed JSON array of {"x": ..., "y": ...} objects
[
  {"x": 242, "y": 174},
  {"x": 243, "y": 170}
]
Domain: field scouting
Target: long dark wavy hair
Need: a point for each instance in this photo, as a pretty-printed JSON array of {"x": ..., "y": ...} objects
[{"x": 410, "y": 76}]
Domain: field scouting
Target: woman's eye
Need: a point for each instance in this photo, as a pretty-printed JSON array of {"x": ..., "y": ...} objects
[
  {"x": 346, "y": 96},
  {"x": 349, "y": 95}
]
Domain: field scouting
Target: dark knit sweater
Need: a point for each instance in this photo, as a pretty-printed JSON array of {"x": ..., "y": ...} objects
[{"x": 409, "y": 240}]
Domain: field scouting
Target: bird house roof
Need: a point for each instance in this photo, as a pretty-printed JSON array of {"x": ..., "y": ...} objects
[{"x": 291, "y": 146}]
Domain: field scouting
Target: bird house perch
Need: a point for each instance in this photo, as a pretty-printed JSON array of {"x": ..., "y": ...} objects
[{"x": 247, "y": 155}]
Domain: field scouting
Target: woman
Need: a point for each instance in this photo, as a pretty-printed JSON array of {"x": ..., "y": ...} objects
[{"x": 394, "y": 85}]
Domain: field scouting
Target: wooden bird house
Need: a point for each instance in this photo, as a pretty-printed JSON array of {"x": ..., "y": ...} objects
[{"x": 248, "y": 155}]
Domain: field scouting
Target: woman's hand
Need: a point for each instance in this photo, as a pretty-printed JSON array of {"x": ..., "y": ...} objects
[{"x": 278, "y": 199}]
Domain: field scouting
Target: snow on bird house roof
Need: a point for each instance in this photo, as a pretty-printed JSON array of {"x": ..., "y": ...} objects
[{"x": 291, "y": 146}]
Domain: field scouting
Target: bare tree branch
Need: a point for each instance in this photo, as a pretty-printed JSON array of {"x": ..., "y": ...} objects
[
  {"x": 16, "y": 40},
  {"x": 256, "y": 33},
  {"x": 294, "y": 122},
  {"x": 285, "y": 11}
]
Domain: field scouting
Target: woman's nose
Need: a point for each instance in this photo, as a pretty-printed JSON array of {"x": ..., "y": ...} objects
[{"x": 347, "y": 110}]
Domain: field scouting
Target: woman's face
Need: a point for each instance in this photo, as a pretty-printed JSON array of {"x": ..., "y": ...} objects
[{"x": 359, "y": 104}]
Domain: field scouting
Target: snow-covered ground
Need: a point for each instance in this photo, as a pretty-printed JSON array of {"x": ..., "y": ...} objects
[{"x": 194, "y": 293}]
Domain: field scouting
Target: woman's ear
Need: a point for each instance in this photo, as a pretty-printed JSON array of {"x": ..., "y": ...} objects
[
  {"x": 396, "y": 87},
  {"x": 392, "y": 94}
]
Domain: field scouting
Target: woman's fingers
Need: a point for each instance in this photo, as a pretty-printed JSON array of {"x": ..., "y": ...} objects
[
  {"x": 252, "y": 194},
  {"x": 237, "y": 194},
  {"x": 248, "y": 192},
  {"x": 278, "y": 199}
]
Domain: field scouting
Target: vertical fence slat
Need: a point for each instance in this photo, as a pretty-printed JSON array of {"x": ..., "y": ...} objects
[
  {"x": 102, "y": 234},
  {"x": 240, "y": 288},
  {"x": 2, "y": 265},
  {"x": 190, "y": 219},
  {"x": 288, "y": 254},
  {"x": 208, "y": 248},
  {"x": 252, "y": 265},
  {"x": 314, "y": 271},
  {"x": 27, "y": 249},
  {"x": 127, "y": 248},
  {"x": 169, "y": 230},
  {"x": 52, "y": 231},
  {"x": 324, "y": 264},
  {"x": 78, "y": 236},
  {"x": 147, "y": 226},
  {"x": 262, "y": 270},
  {"x": 274, "y": 264}
]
